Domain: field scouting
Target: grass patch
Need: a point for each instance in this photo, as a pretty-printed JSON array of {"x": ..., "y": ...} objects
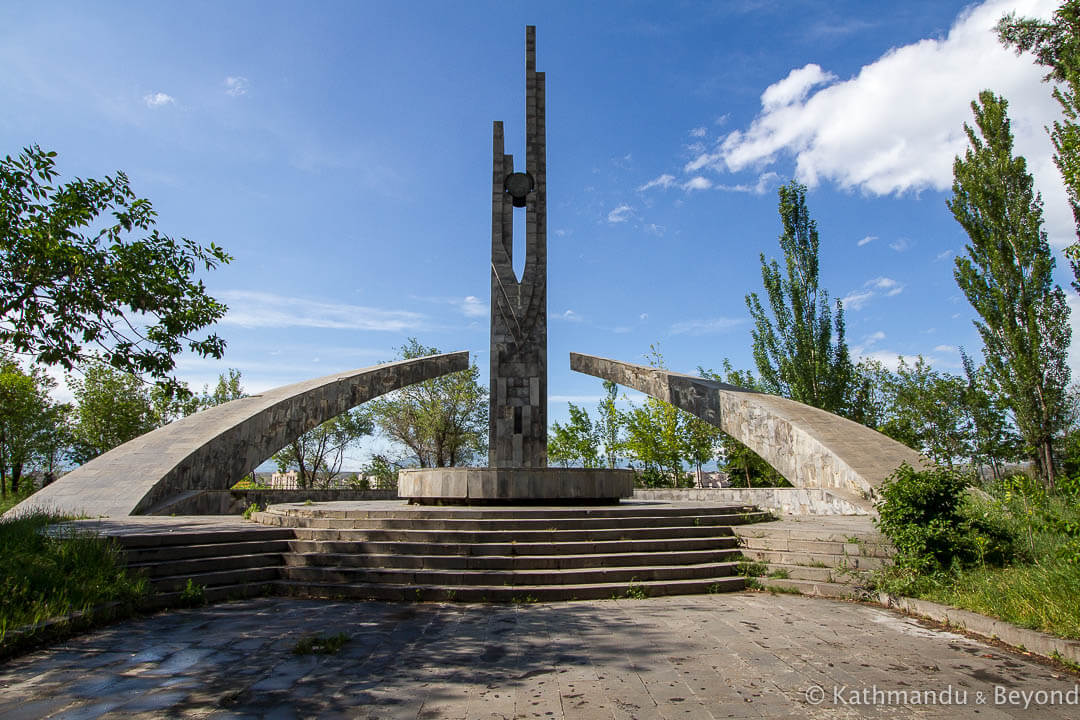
[
  {"x": 48, "y": 575},
  {"x": 1011, "y": 552},
  {"x": 751, "y": 568},
  {"x": 780, "y": 574},
  {"x": 320, "y": 644},
  {"x": 193, "y": 594},
  {"x": 12, "y": 499}
]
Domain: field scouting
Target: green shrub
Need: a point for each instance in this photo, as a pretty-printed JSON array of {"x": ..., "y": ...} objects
[
  {"x": 921, "y": 514},
  {"x": 251, "y": 510},
  {"x": 193, "y": 594}
]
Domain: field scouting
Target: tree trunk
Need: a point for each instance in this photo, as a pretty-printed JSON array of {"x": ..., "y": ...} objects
[
  {"x": 1047, "y": 451},
  {"x": 16, "y": 475}
]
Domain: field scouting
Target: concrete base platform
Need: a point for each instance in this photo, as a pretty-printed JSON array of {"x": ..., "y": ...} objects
[{"x": 507, "y": 486}]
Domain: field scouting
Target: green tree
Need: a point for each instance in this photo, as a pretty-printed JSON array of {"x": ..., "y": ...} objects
[
  {"x": 440, "y": 422},
  {"x": 609, "y": 425},
  {"x": 577, "y": 442},
  {"x": 994, "y": 440},
  {"x": 229, "y": 387},
  {"x": 1056, "y": 45},
  {"x": 112, "y": 407},
  {"x": 656, "y": 436},
  {"x": 1007, "y": 277},
  {"x": 76, "y": 283},
  {"x": 796, "y": 353},
  {"x": 929, "y": 412},
  {"x": 26, "y": 415},
  {"x": 317, "y": 455}
]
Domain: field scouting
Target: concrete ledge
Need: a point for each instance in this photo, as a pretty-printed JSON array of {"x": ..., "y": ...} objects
[
  {"x": 783, "y": 501},
  {"x": 234, "y": 502},
  {"x": 513, "y": 485},
  {"x": 1032, "y": 641}
]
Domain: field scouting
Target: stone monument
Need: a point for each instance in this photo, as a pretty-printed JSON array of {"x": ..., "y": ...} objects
[
  {"x": 517, "y": 431},
  {"x": 517, "y": 435}
]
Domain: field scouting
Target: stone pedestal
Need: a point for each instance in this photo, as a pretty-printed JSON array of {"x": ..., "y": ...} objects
[{"x": 513, "y": 486}]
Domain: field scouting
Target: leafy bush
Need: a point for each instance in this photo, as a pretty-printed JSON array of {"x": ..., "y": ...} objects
[
  {"x": 921, "y": 513},
  {"x": 251, "y": 510}
]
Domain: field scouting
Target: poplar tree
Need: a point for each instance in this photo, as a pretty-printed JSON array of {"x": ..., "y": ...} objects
[
  {"x": 1007, "y": 276},
  {"x": 796, "y": 353},
  {"x": 1056, "y": 45}
]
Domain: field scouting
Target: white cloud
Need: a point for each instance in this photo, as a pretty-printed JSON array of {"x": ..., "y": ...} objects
[
  {"x": 890, "y": 286},
  {"x": 874, "y": 338},
  {"x": 867, "y": 240},
  {"x": 473, "y": 306},
  {"x": 762, "y": 185},
  {"x": 945, "y": 348},
  {"x": 664, "y": 181},
  {"x": 900, "y": 245},
  {"x": 855, "y": 300},
  {"x": 697, "y": 183},
  {"x": 795, "y": 87},
  {"x": 944, "y": 255},
  {"x": 643, "y": 316},
  {"x": 698, "y": 132},
  {"x": 260, "y": 309},
  {"x": 654, "y": 229},
  {"x": 705, "y": 327},
  {"x": 569, "y": 315},
  {"x": 158, "y": 99},
  {"x": 236, "y": 85},
  {"x": 897, "y": 124},
  {"x": 620, "y": 214}
]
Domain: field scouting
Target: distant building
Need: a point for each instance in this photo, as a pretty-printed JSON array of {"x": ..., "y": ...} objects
[{"x": 717, "y": 479}]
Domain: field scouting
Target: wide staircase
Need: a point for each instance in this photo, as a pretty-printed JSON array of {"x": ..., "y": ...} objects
[
  {"x": 517, "y": 554},
  {"x": 829, "y": 556},
  {"x": 207, "y": 564}
]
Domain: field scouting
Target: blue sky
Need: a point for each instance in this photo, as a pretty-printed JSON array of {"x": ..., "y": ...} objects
[{"x": 341, "y": 153}]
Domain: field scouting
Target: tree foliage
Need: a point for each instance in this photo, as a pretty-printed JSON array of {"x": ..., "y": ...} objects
[
  {"x": 76, "y": 281},
  {"x": 577, "y": 442},
  {"x": 317, "y": 455},
  {"x": 112, "y": 407},
  {"x": 661, "y": 437},
  {"x": 1007, "y": 276},
  {"x": 799, "y": 346},
  {"x": 439, "y": 422},
  {"x": 32, "y": 426}
]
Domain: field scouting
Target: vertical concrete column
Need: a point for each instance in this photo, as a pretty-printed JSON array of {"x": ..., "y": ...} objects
[{"x": 517, "y": 432}]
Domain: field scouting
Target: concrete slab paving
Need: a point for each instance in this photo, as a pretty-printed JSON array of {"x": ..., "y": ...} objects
[{"x": 735, "y": 655}]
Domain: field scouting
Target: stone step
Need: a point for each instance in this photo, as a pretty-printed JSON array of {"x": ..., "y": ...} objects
[
  {"x": 219, "y": 593},
  {"x": 519, "y": 593},
  {"x": 779, "y": 544},
  {"x": 167, "y": 553},
  {"x": 817, "y": 574},
  {"x": 853, "y": 562},
  {"x": 602, "y": 547},
  {"x": 811, "y": 587},
  {"x": 511, "y": 562},
  {"x": 785, "y": 531},
  {"x": 216, "y": 578},
  {"x": 500, "y": 525},
  {"x": 519, "y": 512},
  {"x": 254, "y": 533},
  {"x": 579, "y": 576},
  {"x": 451, "y": 537},
  {"x": 193, "y": 566}
]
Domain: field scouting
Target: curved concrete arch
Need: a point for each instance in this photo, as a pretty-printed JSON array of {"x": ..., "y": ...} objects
[
  {"x": 212, "y": 449},
  {"x": 811, "y": 448}
]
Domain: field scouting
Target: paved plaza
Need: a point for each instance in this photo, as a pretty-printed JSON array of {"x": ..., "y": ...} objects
[{"x": 736, "y": 655}]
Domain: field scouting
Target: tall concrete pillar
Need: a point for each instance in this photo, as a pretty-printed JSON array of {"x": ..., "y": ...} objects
[{"x": 517, "y": 433}]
